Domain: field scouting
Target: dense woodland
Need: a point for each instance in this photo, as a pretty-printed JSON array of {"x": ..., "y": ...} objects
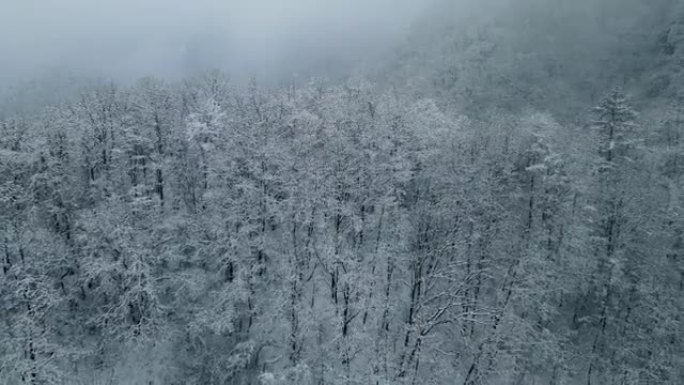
[{"x": 500, "y": 202}]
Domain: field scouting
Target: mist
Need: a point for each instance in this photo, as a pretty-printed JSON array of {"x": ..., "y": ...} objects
[{"x": 127, "y": 39}]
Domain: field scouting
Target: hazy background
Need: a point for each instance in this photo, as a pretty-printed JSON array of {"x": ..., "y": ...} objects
[{"x": 126, "y": 39}]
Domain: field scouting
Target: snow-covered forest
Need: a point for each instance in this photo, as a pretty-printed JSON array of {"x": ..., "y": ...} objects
[{"x": 497, "y": 200}]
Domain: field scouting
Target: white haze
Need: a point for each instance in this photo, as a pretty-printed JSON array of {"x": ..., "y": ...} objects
[{"x": 127, "y": 39}]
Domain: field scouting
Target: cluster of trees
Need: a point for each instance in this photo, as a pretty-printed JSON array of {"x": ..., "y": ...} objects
[
  {"x": 557, "y": 56},
  {"x": 206, "y": 233}
]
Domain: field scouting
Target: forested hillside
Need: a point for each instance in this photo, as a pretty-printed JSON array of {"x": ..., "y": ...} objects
[{"x": 499, "y": 202}]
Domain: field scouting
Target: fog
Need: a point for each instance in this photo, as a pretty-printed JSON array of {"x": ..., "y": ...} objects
[{"x": 127, "y": 39}]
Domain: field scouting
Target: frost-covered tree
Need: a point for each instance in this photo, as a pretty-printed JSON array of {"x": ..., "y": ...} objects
[{"x": 337, "y": 233}]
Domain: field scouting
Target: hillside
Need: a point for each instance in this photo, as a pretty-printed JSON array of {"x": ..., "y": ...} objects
[{"x": 499, "y": 202}]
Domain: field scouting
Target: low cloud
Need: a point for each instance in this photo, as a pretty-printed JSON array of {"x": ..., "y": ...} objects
[{"x": 126, "y": 39}]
